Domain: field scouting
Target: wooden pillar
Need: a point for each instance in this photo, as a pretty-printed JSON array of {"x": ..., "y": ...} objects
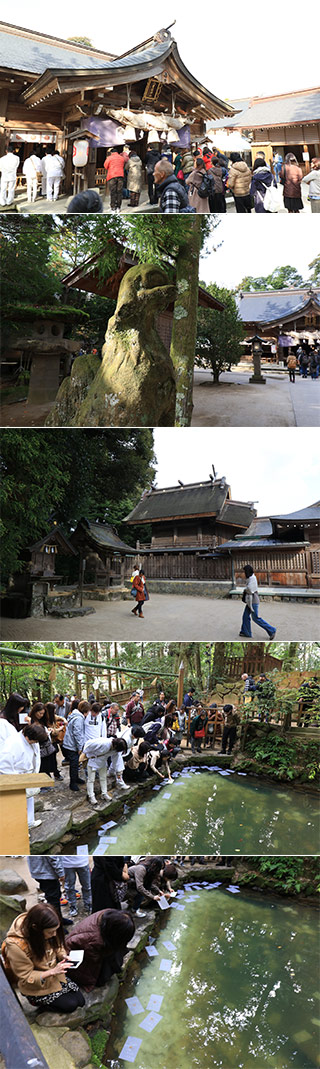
[
  {"x": 180, "y": 684},
  {"x": 14, "y": 834}
]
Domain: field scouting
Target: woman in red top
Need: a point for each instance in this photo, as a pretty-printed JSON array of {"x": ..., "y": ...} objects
[
  {"x": 139, "y": 586},
  {"x": 291, "y": 177}
]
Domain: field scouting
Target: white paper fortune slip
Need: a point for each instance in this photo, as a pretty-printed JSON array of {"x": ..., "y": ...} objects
[
  {"x": 100, "y": 850},
  {"x": 105, "y": 827},
  {"x": 169, "y": 946},
  {"x": 157, "y": 787},
  {"x": 163, "y": 903},
  {"x": 234, "y": 890},
  {"x": 151, "y": 951},
  {"x": 142, "y": 810},
  {"x": 165, "y": 965},
  {"x": 130, "y": 1050},
  {"x": 166, "y": 794},
  {"x": 134, "y": 1005},
  {"x": 76, "y": 956},
  {"x": 177, "y": 905},
  {"x": 155, "y": 1002},
  {"x": 82, "y": 851},
  {"x": 150, "y": 1021}
]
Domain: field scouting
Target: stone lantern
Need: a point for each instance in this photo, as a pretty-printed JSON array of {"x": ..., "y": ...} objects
[
  {"x": 50, "y": 352},
  {"x": 256, "y": 344}
]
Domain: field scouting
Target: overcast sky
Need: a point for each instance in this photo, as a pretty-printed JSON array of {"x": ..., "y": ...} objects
[
  {"x": 278, "y": 468},
  {"x": 256, "y": 246},
  {"x": 234, "y": 51}
]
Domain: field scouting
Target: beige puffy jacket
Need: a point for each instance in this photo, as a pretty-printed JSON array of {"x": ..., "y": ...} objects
[{"x": 239, "y": 178}]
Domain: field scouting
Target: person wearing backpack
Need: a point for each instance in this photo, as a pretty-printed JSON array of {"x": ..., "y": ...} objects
[
  {"x": 173, "y": 196},
  {"x": 291, "y": 365},
  {"x": 239, "y": 181},
  {"x": 261, "y": 180},
  {"x": 217, "y": 196},
  {"x": 199, "y": 185}
]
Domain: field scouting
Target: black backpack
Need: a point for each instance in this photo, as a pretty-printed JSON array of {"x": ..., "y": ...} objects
[{"x": 206, "y": 187}]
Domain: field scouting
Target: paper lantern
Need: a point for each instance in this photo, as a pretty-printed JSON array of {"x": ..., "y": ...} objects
[
  {"x": 80, "y": 153},
  {"x": 153, "y": 136}
]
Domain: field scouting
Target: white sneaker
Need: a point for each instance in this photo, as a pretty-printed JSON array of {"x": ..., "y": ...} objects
[
  {"x": 93, "y": 801},
  {"x": 140, "y": 913},
  {"x": 73, "y": 912},
  {"x": 122, "y": 785},
  {"x": 35, "y": 824},
  {"x": 106, "y": 798}
]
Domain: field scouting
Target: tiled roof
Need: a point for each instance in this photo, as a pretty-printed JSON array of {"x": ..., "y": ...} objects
[
  {"x": 271, "y": 305},
  {"x": 289, "y": 108},
  {"x": 21, "y": 52},
  {"x": 303, "y": 515}
]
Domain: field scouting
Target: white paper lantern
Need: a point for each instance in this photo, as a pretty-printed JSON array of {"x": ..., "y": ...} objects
[
  {"x": 172, "y": 137},
  {"x": 153, "y": 136}
]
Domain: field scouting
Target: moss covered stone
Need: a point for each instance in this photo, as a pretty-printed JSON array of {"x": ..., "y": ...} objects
[
  {"x": 73, "y": 391},
  {"x": 135, "y": 384}
]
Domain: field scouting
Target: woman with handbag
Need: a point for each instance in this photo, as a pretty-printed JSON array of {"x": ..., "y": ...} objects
[
  {"x": 291, "y": 177},
  {"x": 198, "y": 730},
  {"x": 139, "y": 586},
  {"x": 251, "y": 598}
]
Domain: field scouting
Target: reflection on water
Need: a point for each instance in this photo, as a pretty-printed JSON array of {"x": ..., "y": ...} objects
[
  {"x": 209, "y": 813},
  {"x": 241, "y": 993}
]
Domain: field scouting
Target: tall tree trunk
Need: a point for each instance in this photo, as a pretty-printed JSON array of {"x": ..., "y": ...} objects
[{"x": 184, "y": 330}]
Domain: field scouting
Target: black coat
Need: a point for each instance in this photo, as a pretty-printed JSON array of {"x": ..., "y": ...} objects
[{"x": 106, "y": 872}]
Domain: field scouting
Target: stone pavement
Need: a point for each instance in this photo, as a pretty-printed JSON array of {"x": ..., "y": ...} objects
[
  {"x": 238, "y": 403},
  {"x": 59, "y": 207},
  {"x": 170, "y": 617}
]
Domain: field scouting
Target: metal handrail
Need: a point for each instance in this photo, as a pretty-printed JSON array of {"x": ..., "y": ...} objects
[{"x": 18, "y": 1046}]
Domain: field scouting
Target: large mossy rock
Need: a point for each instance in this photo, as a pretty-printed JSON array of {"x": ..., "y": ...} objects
[
  {"x": 135, "y": 384},
  {"x": 73, "y": 391}
]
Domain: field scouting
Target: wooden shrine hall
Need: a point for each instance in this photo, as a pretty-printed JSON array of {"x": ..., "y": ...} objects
[
  {"x": 51, "y": 88},
  {"x": 283, "y": 551},
  {"x": 187, "y": 521},
  {"x": 283, "y": 318},
  {"x": 104, "y": 559}
]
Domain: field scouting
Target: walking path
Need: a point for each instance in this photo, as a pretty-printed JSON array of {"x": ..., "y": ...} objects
[
  {"x": 170, "y": 617},
  {"x": 42, "y": 206},
  {"x": 236, "y": 402}
]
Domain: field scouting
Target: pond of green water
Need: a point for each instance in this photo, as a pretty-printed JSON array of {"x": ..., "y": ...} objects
[
  {"x": 242, "y": 990},
  {"x": 208, "y": 813}
]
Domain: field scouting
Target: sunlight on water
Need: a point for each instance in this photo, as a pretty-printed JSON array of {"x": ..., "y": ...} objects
[
  {"x": 219, "y": 814},
  {"x": 241, "y": 993}
]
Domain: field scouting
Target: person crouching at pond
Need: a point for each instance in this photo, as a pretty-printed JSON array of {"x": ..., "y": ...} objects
[
  {"x": 97, "y": 752},
  {"x": 136, "y": 762},
  {"x": 36, "y": 960},
  {"x": 232, "y": 719},
  {"x": 159, "y": 758},
  {"x": 143, "y": 882},
  {"x": 252, "y": 602},
  {"x": 138, "y": 584},
  {"x": 198, "y": 730},
  {"x": 104, "y": 937}
]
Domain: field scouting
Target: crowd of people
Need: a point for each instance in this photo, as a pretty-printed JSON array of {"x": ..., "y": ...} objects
[
  {"x": 43, "y": 172},
  {"x": 305, "y": 360},
  {"x": 192, "y": 179},
  {"x": 42, "y": 945},
  {"x": 120, "y": 746}
]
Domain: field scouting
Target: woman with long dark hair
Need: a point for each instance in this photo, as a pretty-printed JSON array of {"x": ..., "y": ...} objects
[
  {"x": 15, "y": 706},
  {"x": 57, "y": 728},
  {"x": 36, "y": 960},
  {"x": 291, "y": 177},
  {"x": 39, "y": 715},
  {"x": 104, "y": 938}
]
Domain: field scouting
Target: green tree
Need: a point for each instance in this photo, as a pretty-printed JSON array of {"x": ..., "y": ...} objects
[
  {"x": 219, "y": 334},
  {"x": 314, "y": 267},
  {"x": 48, "y": 474},
  {"x": 81, "y": 41},
  {"x": 279, "y": 279}
]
